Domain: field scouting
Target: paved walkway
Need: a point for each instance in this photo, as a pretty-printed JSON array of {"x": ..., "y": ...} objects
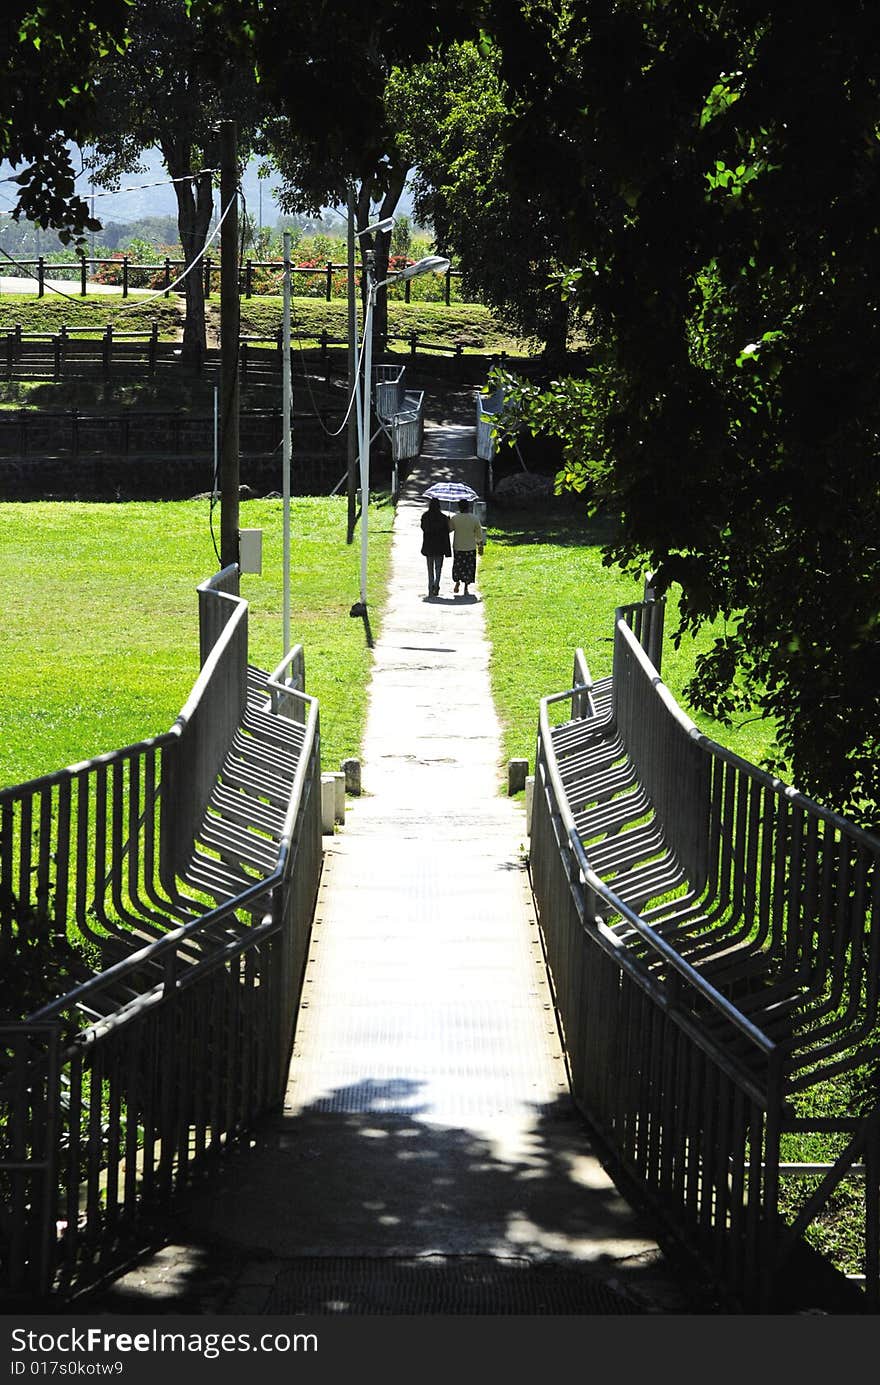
[{"x": 428, "y": 1150}]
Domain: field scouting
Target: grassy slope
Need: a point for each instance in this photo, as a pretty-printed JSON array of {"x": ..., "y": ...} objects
[
  {"x": 100, "y": 642},
  {"x": 50, "y": 313}
]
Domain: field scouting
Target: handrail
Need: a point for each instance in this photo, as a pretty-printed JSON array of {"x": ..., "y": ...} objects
[
  {"x": 174, "y": 937},
  {"x": 120, "y": 839},
  {"x": 730, "y": 757},
  {"x": 595, "y": 883},
  {"x": 734, "y": 896}
]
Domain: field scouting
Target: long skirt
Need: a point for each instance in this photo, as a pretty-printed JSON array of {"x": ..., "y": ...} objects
[{"x": 464, "y": 565}]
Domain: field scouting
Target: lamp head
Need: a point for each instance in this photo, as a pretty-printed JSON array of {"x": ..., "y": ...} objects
[
  {"x": 430, "y": 264},
  {"x": 385, "y": 225}
]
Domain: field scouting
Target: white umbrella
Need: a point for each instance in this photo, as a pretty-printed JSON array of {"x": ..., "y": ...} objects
[{"x": 450, "y": 490}]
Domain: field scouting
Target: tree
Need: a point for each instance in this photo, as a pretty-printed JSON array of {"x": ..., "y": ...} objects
[
  {"x": 47, "y": 57},
  {"x": 452, "y": 116},
  {"x": 324, "y": 72},
  {"x": 721, "y": 169},
  {"x": 175, "y": 81}
]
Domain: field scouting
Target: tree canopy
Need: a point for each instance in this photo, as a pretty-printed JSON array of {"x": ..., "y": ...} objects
[
  {"x": 452, "y": 118},
  {"x": 716, "y": 171},
  {"x": 168, "y": 89},
  {"x": 48, "y": 54}
]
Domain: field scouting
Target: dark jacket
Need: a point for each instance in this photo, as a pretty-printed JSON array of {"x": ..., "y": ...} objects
[{"x": 435, "y": 534}]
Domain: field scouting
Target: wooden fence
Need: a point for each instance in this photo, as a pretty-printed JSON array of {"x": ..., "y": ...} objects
[
  {"x": 168, "y": 270},
  {"x": 80, "y": 351}
]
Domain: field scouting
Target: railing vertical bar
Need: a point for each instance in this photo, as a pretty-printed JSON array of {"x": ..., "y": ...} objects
[
  {"x": 872, "y": 1219},
  {"x": 671, "y": 1058},
  {"x": 133, "y": 1120},
  {"x": 20, "y": 1145},
  {"x": 62, "y": 859},
  {"x": 25, "y": 860},
  {"x": 737, "y": 1183},
  {"x": 74, "y": 1157},
  {"x": 150, "y": 1066},
  {"x": 7, "y": 881},
  {"x": 100, "y": 842},
  {"x": 117, "y": 834},
  {"x": 83, "y": 818},
  {"x": 708, "y": 1147},
  {"x": 794, "y": 892},
  {"x": 133, "y": 831},
  {"x": 113, "y": 1135},
  {"x": 44, "y": 858},
  {"x": 94, "y": 1143},
  {"x": 720, "y": 1180},
  {"x": 168, "y": 1058}
]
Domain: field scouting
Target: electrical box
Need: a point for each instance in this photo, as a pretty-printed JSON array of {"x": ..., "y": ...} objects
[{"x": 250, "y": 550}]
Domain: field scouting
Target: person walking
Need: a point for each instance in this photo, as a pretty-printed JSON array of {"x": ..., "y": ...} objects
[
  {"x": 435, "y": 543},
  {"x": 467, "y": 542}
]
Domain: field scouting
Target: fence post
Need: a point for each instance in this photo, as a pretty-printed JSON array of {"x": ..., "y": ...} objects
[
  {"x": 459, "y": 360},
  {"x": 107, "y": 350},
  {"x": 153, "y": 348},
  {"x": 10, "y": 354},
  {"x": 82, "y": 275},
  {"x": 248, "y": 278},
  {"x": 413, "y": 340},
  {"x": 447, "y": 285},
  {"x": 167, "y": 274},
  {"x": 407, "y": 290},
  {"x": 125, "y": 276},
  {"x": 329, "y": 280},
  {"x": 41, "y": 277},
  {"x": 56, "y": 357},
  {"x": 207, "y": 276}
]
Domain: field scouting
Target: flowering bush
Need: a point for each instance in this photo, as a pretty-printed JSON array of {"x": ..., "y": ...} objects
[{"x": 138, "y": 278}]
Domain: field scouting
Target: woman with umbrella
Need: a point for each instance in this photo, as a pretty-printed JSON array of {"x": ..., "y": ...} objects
[
  {"x": 467, "y": 541},
  {"x": 435, "y": 543}
]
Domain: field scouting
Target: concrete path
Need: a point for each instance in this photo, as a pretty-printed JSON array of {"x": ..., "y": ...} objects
[{"x": 427, "y": 1121}]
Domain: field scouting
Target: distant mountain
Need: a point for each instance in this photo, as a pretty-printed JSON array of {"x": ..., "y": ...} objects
[{"x": 150, "y": 194}]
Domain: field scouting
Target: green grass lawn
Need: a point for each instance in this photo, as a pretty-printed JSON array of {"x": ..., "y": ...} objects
[
  {"x": 50, "y": 313},
  {"x": 471, "y": 325},
  {"x": 100, "y": 644}
]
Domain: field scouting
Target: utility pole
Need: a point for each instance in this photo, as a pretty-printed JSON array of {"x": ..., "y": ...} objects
[
  {"x": 229, "y": 337},
  {"x": 354, "y": 415}
]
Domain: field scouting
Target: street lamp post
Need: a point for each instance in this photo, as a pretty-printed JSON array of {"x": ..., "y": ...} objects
[
  {"x": 354, "y": 443},
  {"x": 430, "y": 264}
]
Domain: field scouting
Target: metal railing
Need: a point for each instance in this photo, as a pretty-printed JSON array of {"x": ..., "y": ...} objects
[
  {"x": 401, "y": 415},
  {"x": 489, "y": 406},
  {"x": 175, "y": 1029},
  {"x": 714, "y": 942}
]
